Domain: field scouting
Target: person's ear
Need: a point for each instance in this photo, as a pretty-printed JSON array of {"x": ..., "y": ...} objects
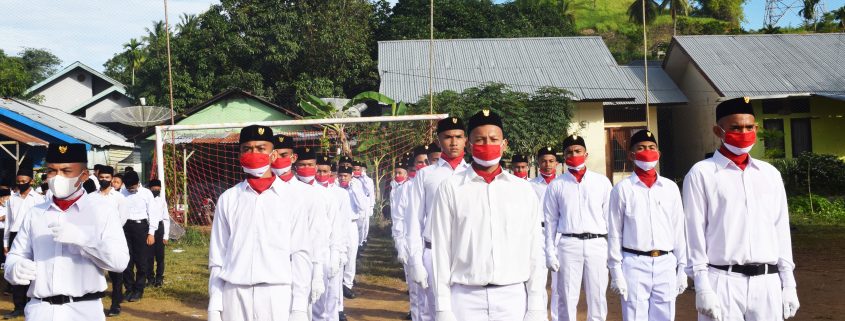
[
  {"x": 504, "y": 145},
  {"x": 718, "y": 131}
]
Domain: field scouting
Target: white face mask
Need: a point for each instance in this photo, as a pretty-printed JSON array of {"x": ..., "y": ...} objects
[
  {"x": 257, "y": 172},
  {"x": 646, "y": 166},
  {"x": 62, "y": 187},
  {"x": 280, "y": 171}
]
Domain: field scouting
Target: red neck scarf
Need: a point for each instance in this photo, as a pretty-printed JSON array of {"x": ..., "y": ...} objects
[
  {"x": 286, "y": 176},
  {"x": 548, "y": 178},
  {"x": 648, "y": 177},
  {"x": 739, "y": 160},
  {"x": 579, "y": 174},
  {"x": 488, "y": 177},
  {"x": 260, "y": 184},
  {"x": 65, "y": 204},
  {"x": 454, "y": 162}
]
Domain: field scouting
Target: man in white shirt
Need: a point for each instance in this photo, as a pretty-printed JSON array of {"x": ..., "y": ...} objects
[
  {"x": 359, "y": 204},
  {"x": 519, "y": 166},
  {"x": 65, "y": 246},
  {"x": 5, "y": 193},
  {"x": 259, "y": 254},
  {"x": 547, "y": 163},
  {"x": 575, "y": 207},
  {"x": 737, "y": 220},
  {"x": 359, "y": 171},
  {"x": 398, "y": 203},
  {"x": 646, "y": 237},
  {"x": 155, "y": 276},
  {"x": 140, "y": 228},
  {"x": 19, "y": 204},
  {"x": 327, "y": 177},
  {"x": 451, "y": 137},
  {"x": 109, "y": 197},
  {"x": 486, "y": 242}
]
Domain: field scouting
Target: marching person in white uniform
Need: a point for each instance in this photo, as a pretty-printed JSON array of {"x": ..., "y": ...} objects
[
  {"x": 259, "y": 255},
  {"x": 20, "y": 202},
  {"x": 398, "y": 204},
  {"x": 547, "y": 163},
  {"x": 155, "y": 276},
  {"x": 646, "y": 237},
  {"x": 737, "y": 220},
  {"x": 65, "y": 246},
  {"x": 451, "y": 137},
  {"x": 486, "y": 241},
  {"x": 519, "y": 166},
  {"x": 108, "y": 195},
  {"x": 358, "y": 201},
  {"x": 576, "y": 206},
  {"x": 359, "y": 171}
]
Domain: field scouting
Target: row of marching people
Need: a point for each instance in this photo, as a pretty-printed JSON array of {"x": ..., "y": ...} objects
[{"x": 478, "y": 242}]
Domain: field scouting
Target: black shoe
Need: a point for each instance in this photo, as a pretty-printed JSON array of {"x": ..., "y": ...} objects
[
  {"x": 347, "y": 293},
  {"x": 128, "y": 294},
  {"x": 136, "y": 296},
  {"x": 12, "y": 315},
  {"x": 408, "y": 317},
  {"x": 341, "y": 316},
  {"x": 113, "y": 312},
  {"x": 159, "y": 282}
]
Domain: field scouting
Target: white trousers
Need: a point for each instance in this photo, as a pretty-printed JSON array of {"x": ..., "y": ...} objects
[
  {"x": 745, "y": 298},
  {"x": 555, "y": 300},
  {"x": 37, "y": 310},
  {"x": 494, "y": 303},
  {"x": 352, "y": 254},
  {"x": 582, "y": 261},
  {"x": 264, "y": 302},
  {"x": 413, "y": 293},
  {"x": 426, "y": 305},
  {"x": 652, "y": 287},
  {"x": 364, "y": 226},
  {"x": 327, "y": 306}
]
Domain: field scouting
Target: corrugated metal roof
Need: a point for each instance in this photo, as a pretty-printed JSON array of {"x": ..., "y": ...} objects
[
  {"x": 68, "y": 124},
  {"x": 20, "y": 136},
  {"x": 661, "y": 89},
  {"x": 756, "y": 65},
  {"x": 582, "y": 65}
]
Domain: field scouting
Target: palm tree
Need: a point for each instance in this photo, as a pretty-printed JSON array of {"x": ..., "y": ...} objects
[
  {"x": 635, "y": 11},
  {"x": 135, "y": 51},
  {"x": 839, "y": 14},
  {"x": 809, "y": 12},
  {"x": 675, "y": 7},
  {"x": 770, "y": 30},
  {"x": 187, "y": 23}
]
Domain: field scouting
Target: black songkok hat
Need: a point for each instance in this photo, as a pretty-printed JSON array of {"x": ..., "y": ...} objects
[
  {"x": 344, "y": 169},
  {"x": 5, "y": 192},
  {"x": 484, "y": 117},
  {"x": 434, "y": 148},
  {"x": 107, "y": 170},
  {"x": 518, "y": 158},
  {"x": 154, "y": 182},
  {"x": 256, "y": 133},
  {"x": 421, "y": 150},
  {"x": 131, "y": 178},
  {"x": 305, "y": 153},
  {"x": 642, "y": 136},
  {"x": 400, "y": 164},
  {"x": 282, "y": 142},
  {"x": 98, "y": 167},
  {"x": 734, "y": 106},
  {"x": 324, "y": 160},
  {"x": 25, "y": 171},
  {"x": 450, "y": 123},
  {"x": 59, "y": 153},
  {"x": 345, "y": 159},
  {"x": 574, "y": 140},
  {"x": 546, "y": 151}
]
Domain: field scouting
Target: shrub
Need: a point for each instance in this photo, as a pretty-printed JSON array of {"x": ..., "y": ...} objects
[
  {"x": 818, "y": 210},
  {"x": 826, "y": 174}
]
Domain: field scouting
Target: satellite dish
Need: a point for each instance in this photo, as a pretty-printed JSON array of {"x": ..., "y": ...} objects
[{"x": 141, "y": 116}]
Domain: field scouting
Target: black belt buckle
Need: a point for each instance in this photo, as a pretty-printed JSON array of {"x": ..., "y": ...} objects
[
  {"x": 58, "y": 299},
  {"x": 428, "y": 245}
]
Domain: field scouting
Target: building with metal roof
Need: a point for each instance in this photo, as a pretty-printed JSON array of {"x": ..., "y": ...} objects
[{"x": 796, "y": 83}]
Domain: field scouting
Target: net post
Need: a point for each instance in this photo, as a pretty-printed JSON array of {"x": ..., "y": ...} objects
[{"x": 160, "y": 160}]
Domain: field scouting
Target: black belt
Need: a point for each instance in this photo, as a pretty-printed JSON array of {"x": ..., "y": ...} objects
[
  {"x": 652, "y": 253},
  {"x": 748, "y": 269},
  {"x": 585, "y": 236},
  {"x": 428, "y": 245},
  {"x": 138, "y": 221},
  {"x": 64, "y": 299}
]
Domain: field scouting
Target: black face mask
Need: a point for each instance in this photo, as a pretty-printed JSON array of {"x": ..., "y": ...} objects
[
  {"x": 44, "y": 187},
  {"x": 23, "y": 187},
  {"x": 156, "y": 193},
  {"x": 104, "y": 184}
]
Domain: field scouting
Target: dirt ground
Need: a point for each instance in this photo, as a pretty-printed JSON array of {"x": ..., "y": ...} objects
[{"x": 819, "y": 253}]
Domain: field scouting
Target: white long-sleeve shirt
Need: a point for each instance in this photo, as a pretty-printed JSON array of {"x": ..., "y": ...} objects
[
  {"x": 737, "y": 217},
  {"x": 261, "y": 239},
  {"x": 16, "y": 207},
  {"x": 369, "y": 189},
  {"x": 332, "y": 224},
  {"x": 540, "y": 186},
  {"x": 164, "y": 215},
  {"x": 116, "y": 200},
  {"x": 340, "y": 217},
  {"x": 142, "y": 206},
  {"x": 398, "y": 205},
  {"x": 420, "y": 203},
  {"x": 645, "y": 219},
  {"x": 66, "y": 269},
  {"x": 574, "y": 208},
  {"x": 487, "y": 234},
  {"x": 358, "y": 198}
]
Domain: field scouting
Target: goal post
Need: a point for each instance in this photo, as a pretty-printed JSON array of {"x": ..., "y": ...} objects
[{"x": 205, "y": 155}]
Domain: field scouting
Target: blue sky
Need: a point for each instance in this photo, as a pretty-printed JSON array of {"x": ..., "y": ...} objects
[{"x": 92, "y": 31}]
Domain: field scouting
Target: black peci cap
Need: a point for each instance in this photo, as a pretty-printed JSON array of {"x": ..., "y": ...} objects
[
  {"x": 154, "y": 182},
  {"x": 345, "y": 159},
  {"x": 519, "y": 158},
  {"x": 450, "y": 123},
  {"x": 484, "y": 117},
  {"x": 574, "y": 140},
  {"x": 734, "y": 106},
  {"x": 642, "y": 136},
  {"x": 546, "y": 151},
  {"x": 131, "y": 178},
  {"x": 324, "y": 160},
  {"x": 107, "y": 170},
  {"x": 5, "y": 192},
  {"x": 25, "y": 171},
  {"x": 344, "y": 169},
  {"x": 59, "y": 153},
  {"x": 256, "y": 133},
  {"x": 421, "y": 150},
  {"x": 305, "y": 153},
  {"x": 282, "y": 142},
  {"x": 434, "y": 148}
]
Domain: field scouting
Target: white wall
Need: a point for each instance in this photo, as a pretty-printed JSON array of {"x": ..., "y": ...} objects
[
  {"x": 588, "y": 122},
  {"x": 101, "y": 111},
  {"x": 67, "y": 92}
]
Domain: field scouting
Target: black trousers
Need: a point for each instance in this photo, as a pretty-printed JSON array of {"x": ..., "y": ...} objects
[
  {"x": 157, "y": 256},
  {"x": 19, "y": 297},
  {"x": 116, "y": 288},
  {"x": 135, "y": 276},
  {"x": 3, "y": 255}
]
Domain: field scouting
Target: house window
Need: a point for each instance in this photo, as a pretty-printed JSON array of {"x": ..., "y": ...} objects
[
  {"x": 773, "y": 139},
  {"x": 80, "y": 77},
  {"x": 786, "y": 106},
  {"x": 802, "y": 140},
  {"x": 624, "y": 114}
]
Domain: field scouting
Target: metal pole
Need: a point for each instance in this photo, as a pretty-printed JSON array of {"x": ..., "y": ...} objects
[
  {"x": 185, "y": 184},
  {"x": 170, "y": 88},
  {"x": 431, "y": 65},
  {"x": 645, "y": 68},
  {"x": 160, "y": 159}
]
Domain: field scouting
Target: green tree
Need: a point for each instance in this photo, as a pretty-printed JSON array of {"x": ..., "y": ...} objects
[
  {"x": 14, "y": 78},
  {"x": 676, "y": 7},
  {"x": 136, "y": 56},
  {"x": 635, "y": 11},
  {"x": 39, "y": 63},
  {"x": 839, "y": 15},
  {"x": 725, "y": 10},
  {"x": 808, "y": 12}
]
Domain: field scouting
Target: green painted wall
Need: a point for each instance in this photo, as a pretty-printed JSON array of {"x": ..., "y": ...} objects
[
  {"x": 827, "y": 120},
  {"x": 237, "y": 110}
]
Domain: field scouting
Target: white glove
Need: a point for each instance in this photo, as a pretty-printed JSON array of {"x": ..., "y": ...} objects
[
  {"x": 68, "y": 233},
  {"x": 298, "y": 316},
  {"x": 335, "y": 263},
  {"x": 536, "y": 315},
  {"x": 402, "y": 257},
  {"x": 618, "y": 284},
  {"x": 344, "y": 259},
  {"x": 24, "y": 272},
  {"x": 707, "y": 303},
  {"x": 444, "y": 316},
  {"x": 420, "y": 276},
  {"x": 552, "y": 263},
  {"x": 317, "y": 284},
  {"x": 790, "y": 302},
  {"x": 682, "y": 281},
  {"x": 215, "y": 315}
]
